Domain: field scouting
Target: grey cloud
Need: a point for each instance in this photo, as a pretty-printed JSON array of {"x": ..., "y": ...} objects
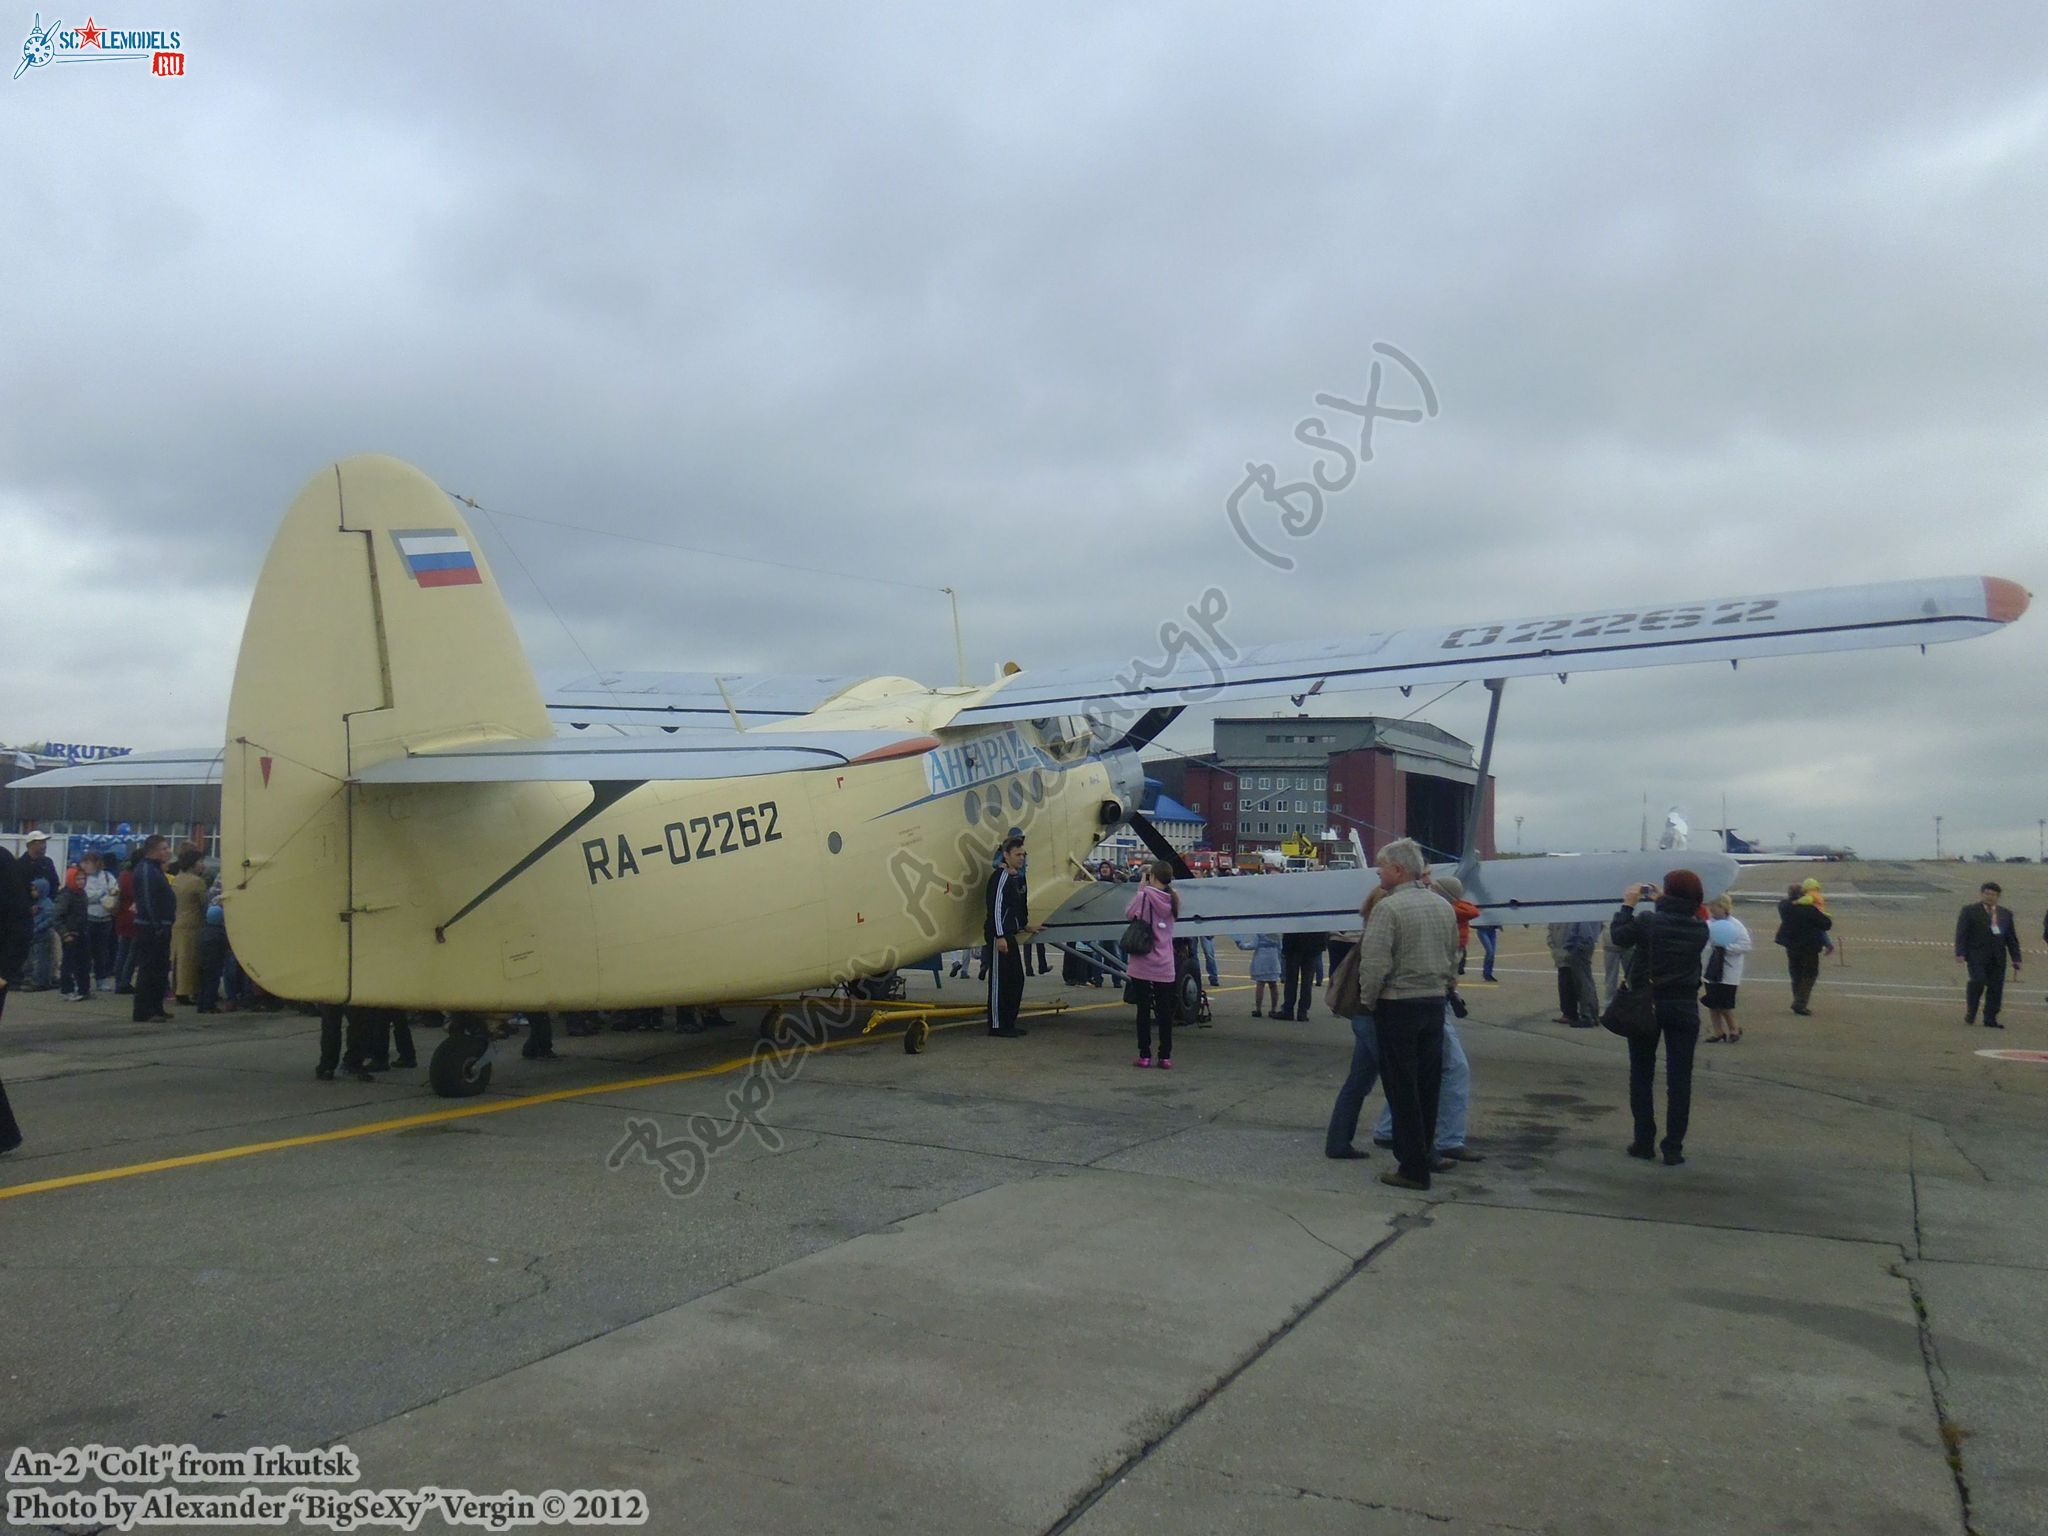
[{"x": 1718, "y": 300}]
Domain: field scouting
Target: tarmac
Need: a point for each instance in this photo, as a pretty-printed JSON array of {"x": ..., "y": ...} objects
[{"x": 1021, "y": 1286}]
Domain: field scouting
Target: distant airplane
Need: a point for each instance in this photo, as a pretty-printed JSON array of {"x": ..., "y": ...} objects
[
  {"x": 409, "y": 821},
  {"x": 1745, "y": 852}
]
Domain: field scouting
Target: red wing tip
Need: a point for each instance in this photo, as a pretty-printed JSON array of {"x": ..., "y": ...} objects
[{"x": 2004, "y": 600}]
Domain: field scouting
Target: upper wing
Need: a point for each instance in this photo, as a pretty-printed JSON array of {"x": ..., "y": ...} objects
[{"x": 1198, "y": 663}]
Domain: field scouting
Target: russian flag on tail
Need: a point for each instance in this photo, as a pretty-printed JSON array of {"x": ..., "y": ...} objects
[{"x": 437, "y": 557}]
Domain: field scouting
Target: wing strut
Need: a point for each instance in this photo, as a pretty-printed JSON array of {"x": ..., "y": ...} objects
[
  {"x": 604, "y": 794},
  {"x": 1468, "y": 862}
]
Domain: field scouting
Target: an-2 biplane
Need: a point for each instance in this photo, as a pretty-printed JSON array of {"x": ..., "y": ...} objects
[{"x": 408, "y": 820}]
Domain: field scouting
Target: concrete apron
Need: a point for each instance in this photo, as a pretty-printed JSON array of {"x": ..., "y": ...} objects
[{"x": 1141, "y": 1354}]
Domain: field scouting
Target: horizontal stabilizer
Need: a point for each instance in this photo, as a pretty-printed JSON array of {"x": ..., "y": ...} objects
[
  {"x": 707, "y": 752},
  {"x": 653, "y": 697}
]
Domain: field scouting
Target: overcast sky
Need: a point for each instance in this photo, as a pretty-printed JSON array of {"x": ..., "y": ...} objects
[{"x": 1715, "y": 299}]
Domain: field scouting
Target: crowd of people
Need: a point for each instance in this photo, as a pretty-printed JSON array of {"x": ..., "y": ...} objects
[
  {"x": 146, "y": 923},
  {"x": 149, "y": 923}
]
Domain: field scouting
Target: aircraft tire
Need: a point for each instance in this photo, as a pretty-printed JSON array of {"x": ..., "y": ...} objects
[{"x": 453, "y": 1069}]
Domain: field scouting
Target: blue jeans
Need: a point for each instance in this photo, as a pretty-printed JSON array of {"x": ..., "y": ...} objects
[
  {"x": 1209, "y": 959},
  {"x": 1365, "y": 1071},
  {"x": 1456, "y": 1102},
  {"x": 1489, "y": 940}
]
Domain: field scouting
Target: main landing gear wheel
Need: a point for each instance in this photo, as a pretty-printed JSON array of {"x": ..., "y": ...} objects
[
  {"x": 915, "y": 1033},
  {"x": 458, "y": 1069}
]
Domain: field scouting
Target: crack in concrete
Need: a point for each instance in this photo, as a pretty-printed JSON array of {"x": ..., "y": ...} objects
[
  {"x": 1952, "y": 1434},
  {"x": 1930, "y": 1356},
  {"x": 1288, "y": 1490},
  {"x": 1341, "y": 1253},
  {"x": 1548, "y": 1209},
  {"x": 923, "y": 1327},
  {"x": 737, "y": 1283},
  {"x": 1401, "y": 1224},
  {"x": 1913, "y": 1185},
  {"x": 1178, "y": 1130},
  {"x": 1965, "y": 1156}
]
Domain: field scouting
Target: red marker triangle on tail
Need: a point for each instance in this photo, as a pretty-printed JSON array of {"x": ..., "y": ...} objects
[{"x": 264, "y": 763}]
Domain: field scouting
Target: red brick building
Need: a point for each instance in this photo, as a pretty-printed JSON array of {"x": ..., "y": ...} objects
[{"x": 1269, "y": 780}]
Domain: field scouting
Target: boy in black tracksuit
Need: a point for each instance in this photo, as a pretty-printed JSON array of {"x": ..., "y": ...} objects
[
  {"x": 1005, "y": 925},
  {"x": 74, "y": 979}
]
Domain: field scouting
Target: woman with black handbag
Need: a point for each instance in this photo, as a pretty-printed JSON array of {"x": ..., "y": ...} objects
[
  {"x": 1149, "y": 960},
  {"x": 1662, "y": 950}
]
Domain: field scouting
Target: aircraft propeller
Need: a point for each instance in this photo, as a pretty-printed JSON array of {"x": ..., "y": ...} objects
[
  {"x": 1154, "y": 839},
  {"x": 1148, "y": 726}
]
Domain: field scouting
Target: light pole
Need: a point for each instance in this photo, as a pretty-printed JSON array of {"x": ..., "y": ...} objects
[
  {"x": 1937, "y": 837},
  {"x": 1518, "y": 834},
  {"x": 2042, "y": 827}
]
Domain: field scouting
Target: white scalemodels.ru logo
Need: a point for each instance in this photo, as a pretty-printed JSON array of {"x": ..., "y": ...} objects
[{"x": 92, "y": 43}]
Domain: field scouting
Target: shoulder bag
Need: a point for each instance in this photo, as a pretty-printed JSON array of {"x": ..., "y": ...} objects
[
  {"x": 1632, "y": 1012},
  {"x": 1342, "y": 992},
  {"x": 1139, "y": 937}
]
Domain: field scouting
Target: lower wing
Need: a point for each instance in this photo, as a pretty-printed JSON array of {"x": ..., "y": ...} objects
[{"x": 1570, "y": 889}]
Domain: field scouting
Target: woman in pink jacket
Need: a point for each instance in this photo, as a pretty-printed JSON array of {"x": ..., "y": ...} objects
[{"x": 1152, "y": 973}]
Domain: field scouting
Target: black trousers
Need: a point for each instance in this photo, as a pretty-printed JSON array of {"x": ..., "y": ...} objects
[
  {"x": 362, "y": 1037},
  {"x": 74, "y": 973},
  {"x": 540, "y": 1035},
  {"x": 152, "y": 970},
  {"x": 1567, "y": 993},
  {"x": 1005, "y": 970},
  {"x": 1296, "y": 971},
  {"x": 1411, "y": 1046},
  {"x": 1161, "y": 998},
  {"x": 1805, "y": 970},
  {"x": 391, "y": 1037},
  {"x": 1678, "y": 1028},
  {"x": 1987, "y": 984},
  {"x": 99, "y": 939}
]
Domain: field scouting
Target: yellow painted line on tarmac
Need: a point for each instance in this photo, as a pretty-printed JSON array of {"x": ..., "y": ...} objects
[{"x": 493, "y": 1107}]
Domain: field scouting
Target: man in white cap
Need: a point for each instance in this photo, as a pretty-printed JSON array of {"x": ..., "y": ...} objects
[{"x": 36, "y": 863}]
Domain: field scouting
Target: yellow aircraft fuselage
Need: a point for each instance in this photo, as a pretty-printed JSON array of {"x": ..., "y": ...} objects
[{"x": 683, "y": 891}]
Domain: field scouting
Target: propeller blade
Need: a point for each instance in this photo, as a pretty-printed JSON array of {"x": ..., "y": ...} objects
[
  {"x": 1154, "y": 839},
  {"x": 1148, "y": 727}
]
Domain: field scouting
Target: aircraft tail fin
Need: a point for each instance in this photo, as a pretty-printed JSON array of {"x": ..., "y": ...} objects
[{"x": 375, "y": 628}]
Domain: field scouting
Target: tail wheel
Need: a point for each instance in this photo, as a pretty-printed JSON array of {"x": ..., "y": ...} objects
[
  {"x": 458, "y": 1069},
  {"x": 1190, "y": 994},
  {"x": 914, "y": 1036}
]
